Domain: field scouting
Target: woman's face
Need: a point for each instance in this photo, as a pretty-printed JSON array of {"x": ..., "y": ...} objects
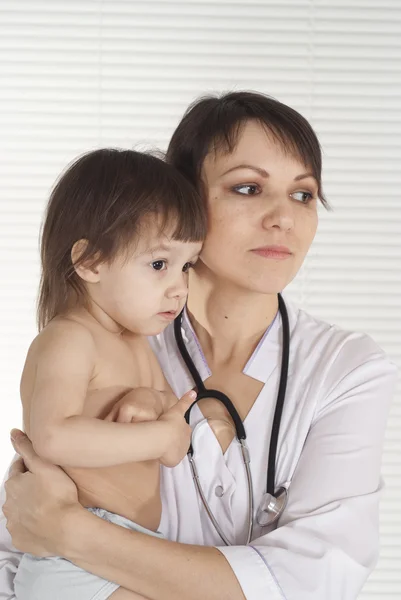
[{"x": 262, "y": 207}]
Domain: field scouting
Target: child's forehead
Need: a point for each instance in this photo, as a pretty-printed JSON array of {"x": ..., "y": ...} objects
[{"x": 154, "y": 236}]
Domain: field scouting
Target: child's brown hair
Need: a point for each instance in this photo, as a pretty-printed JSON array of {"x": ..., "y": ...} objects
[{"x": 103, "y": 198}]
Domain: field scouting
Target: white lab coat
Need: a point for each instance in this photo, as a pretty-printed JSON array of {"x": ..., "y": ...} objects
[{"x": 340, "y": 385}]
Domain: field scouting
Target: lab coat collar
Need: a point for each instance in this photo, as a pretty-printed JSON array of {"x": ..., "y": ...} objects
[
  {"x": 267, "y": 355},
  {"x": 264, "y": 360}
]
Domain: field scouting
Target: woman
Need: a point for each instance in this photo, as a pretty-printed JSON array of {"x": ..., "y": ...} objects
[{"x": 259, "y": 164}]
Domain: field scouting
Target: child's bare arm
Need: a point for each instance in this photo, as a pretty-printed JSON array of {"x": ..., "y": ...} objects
[
  {"x": 59, "y": 432},
  {"x": 141, "y": 404}
]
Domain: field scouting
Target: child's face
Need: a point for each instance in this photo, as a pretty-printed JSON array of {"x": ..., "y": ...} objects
[{"x": 145, "y": 290}]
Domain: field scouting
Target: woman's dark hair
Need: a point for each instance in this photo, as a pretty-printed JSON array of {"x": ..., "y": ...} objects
[
  {"x": 214, "y": 123},
  {"x": 103, "y": 198}
]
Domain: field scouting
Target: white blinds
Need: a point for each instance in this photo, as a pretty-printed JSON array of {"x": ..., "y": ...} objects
[{"x": 77, "y": 75}]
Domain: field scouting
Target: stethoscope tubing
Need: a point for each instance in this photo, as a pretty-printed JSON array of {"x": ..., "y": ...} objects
[
  {"x": 203, "y": 392},
  {"x": 282, "y": 388}
]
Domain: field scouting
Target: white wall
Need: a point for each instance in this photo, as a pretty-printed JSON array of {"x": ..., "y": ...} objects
[{"x": 79, "y": 75}]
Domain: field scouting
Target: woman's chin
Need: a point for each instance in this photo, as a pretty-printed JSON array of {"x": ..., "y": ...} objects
[{"x": 270, "y": 284}]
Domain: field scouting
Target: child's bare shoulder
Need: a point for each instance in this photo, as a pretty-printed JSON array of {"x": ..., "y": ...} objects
[
  {"x": 54, "y": 346},
  {"x": 60, "y": 335}
]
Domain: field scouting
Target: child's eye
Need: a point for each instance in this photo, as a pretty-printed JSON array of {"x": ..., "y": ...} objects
[
  {"x": 247, "y": 189},
  {"x": 187, "y": 266},
  {"x": 303, "y": 197},
  {"x": 159, "y": 265}
]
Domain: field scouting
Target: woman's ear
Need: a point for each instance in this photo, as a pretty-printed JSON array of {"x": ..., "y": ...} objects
[{"x": 86, "y": 270}]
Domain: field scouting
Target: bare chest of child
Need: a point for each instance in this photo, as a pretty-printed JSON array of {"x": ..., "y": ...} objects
[{"x": 132, "y": 489}]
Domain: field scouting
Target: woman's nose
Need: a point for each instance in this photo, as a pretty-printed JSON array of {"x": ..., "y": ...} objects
[{"x": 279, "y": 214}]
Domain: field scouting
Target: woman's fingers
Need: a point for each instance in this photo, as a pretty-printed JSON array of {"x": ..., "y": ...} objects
[
  {"x": 23, "y": 446},
  {"x": 17, "y": 467},
  {"x": 37, "y": 501}
]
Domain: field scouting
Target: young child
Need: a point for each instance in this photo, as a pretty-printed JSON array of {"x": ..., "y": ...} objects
[{"x": 122, "y": 229}]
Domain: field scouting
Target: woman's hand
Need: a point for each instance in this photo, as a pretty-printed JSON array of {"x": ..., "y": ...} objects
[{"x": 38, "y": 501}]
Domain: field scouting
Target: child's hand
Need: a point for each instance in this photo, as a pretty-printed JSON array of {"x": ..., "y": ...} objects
[
  {"x": 180, "y": 430},
  {"x": 141, "y": 404}
]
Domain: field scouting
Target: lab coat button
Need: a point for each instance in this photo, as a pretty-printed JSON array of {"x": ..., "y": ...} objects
[{"x": 219, "y": 491}]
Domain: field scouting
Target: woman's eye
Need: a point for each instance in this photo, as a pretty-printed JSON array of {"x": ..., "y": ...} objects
[
  {"x": 159, "y": 265},
  {"x": 303, "y": 197},
  {"x": 248, "y": 189}
]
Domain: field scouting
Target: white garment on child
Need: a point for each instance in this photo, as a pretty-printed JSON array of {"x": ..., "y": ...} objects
[{"x": 56, "y": 578}]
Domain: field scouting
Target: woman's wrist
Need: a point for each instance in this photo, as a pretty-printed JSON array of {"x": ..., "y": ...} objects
[
  {"x": 72, "y": 538},
  {"x": 88, "y": 541}
]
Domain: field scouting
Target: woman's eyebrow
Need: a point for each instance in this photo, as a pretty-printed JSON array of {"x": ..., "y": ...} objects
[
  {"x": 264, "y": 173},
  {"x": 304, "y": 176},
  {"x": 261, "y": 172}
]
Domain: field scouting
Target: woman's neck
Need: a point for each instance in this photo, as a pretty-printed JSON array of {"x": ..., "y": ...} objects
[{"x": 228, "y": 321}]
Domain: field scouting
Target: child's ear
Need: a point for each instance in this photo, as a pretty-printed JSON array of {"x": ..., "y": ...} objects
[{"x": 86, "y": 270}]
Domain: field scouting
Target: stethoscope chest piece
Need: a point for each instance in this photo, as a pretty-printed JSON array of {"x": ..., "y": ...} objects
[{"x": 271, "y": 507}]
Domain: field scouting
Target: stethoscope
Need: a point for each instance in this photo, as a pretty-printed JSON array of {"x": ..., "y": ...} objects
[{"x": 273, "y": 504}]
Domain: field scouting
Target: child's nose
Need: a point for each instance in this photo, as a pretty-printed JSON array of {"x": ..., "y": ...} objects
[{"x": 180, "y": 288}]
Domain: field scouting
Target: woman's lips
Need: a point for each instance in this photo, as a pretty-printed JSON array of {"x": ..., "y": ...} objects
[{"x": 275, "y": 252}]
